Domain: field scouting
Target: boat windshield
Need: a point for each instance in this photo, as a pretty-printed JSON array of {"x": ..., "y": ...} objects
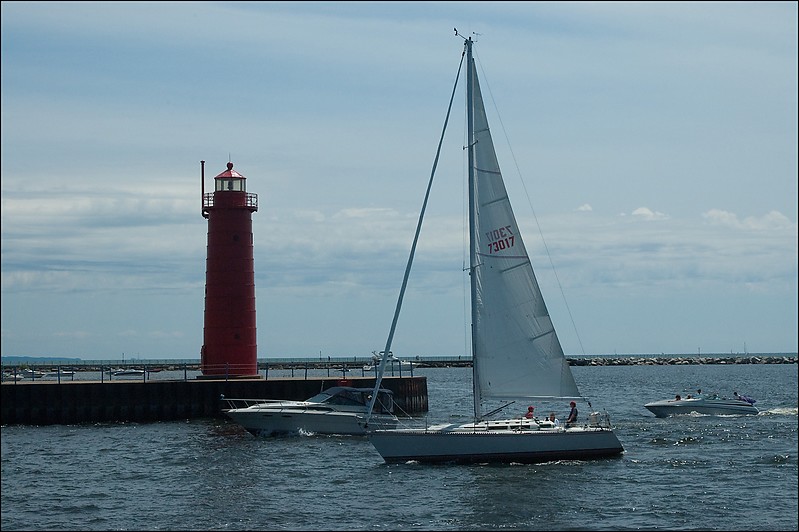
[{"x": 355, "y": 397}]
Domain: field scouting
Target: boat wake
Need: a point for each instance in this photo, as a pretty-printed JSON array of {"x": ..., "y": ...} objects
[{"x": 780, "y": 411}]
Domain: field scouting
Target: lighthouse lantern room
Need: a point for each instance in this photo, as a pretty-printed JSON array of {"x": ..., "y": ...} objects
[{"x": 229, "y": 332}]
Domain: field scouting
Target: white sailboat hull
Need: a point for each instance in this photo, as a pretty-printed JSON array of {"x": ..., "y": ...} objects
[{"x": 460, "y": 445}]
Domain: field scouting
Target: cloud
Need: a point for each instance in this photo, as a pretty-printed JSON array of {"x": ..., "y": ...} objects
[
  {"x": 645, "y": 213},
  {"x": 771, "y": 220}
]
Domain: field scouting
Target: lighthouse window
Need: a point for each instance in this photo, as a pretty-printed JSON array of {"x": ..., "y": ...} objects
[{"x": 235, "y": 185}]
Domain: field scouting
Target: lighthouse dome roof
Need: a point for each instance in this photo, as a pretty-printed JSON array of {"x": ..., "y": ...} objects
[{"x": 230, "y": 172}]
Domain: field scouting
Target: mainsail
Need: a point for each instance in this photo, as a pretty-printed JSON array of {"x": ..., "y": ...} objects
[{"x": 515, "y": 349}]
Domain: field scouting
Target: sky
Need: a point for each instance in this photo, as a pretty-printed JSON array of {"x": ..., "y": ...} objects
[{"x": 649, "y": 150}]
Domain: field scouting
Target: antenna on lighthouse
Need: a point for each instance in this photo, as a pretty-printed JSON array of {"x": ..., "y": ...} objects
[{"x": 202, "y": 189}]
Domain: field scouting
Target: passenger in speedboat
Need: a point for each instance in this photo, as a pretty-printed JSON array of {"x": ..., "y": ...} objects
[
  {"x": 677, "y": 397},
  {"x": 572, "y": 419},
  {"x": 744, "y": 398}
]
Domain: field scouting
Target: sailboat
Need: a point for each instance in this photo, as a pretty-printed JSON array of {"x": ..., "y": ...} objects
[{"x": 516, "y": 351}]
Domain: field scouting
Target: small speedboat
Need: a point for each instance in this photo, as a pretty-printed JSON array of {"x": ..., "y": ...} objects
[
  {"x": 61, "y": 373},
  {"x": 131, "y": 372},
  {"x": 337, "y": 410},
  {"x": 711, "y": 405}
]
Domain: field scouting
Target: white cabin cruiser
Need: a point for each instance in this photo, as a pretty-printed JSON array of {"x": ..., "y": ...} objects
[
  {"x": 337, "y": 410},
  {"x": 703, "y": 404},
  {"x": 392, "y": 361}
]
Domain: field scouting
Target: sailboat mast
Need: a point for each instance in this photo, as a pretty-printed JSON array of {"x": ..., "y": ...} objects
[{"x": 470, "y": 73}]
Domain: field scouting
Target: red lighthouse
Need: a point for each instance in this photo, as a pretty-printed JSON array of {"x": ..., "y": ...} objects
[{"x": 229, "y": 335}]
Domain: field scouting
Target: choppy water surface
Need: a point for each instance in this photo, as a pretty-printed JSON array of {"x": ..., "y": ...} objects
[{"x": 684, "y": 473}]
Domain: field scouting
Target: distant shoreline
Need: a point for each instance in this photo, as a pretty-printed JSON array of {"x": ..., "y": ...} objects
[
  {"x": 682, "y": 360},
  {"x": 654, "y": 361},
  {"x": 350, "y": 363}
]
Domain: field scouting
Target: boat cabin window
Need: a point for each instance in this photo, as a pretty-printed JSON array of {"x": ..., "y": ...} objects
[
  {"x": 347, "y": 398},
  {"x": 355, "y": 397}
]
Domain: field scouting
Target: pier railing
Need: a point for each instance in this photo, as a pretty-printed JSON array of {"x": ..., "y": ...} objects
[
  {"x": 146, "y": 370},
  {"x": 315, "y": 367}
]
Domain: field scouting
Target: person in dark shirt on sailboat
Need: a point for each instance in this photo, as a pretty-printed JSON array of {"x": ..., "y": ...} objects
[{"x": 572, "y": 419}]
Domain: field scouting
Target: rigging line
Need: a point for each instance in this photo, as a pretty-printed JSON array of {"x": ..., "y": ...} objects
[
  {"x": 387, "y": 350},
  {"x": 535, "y": 217}
]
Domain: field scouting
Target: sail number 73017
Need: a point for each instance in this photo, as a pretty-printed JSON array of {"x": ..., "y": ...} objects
[{"x": 499, "y": 239}]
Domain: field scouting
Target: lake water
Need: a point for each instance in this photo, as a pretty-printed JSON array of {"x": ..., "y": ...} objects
[{"x": 682, "y": 473}]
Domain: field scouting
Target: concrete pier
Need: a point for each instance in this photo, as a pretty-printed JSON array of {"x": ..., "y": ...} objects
[{"x": 69, "y": 402}]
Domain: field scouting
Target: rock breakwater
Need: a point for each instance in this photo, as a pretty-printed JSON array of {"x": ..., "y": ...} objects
[{"x": 678, "y": 360}]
